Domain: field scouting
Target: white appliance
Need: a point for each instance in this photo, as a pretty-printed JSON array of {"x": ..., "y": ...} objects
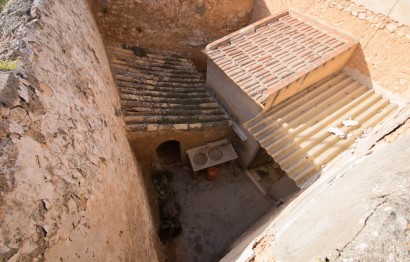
[{"x": 211, "y": 154}]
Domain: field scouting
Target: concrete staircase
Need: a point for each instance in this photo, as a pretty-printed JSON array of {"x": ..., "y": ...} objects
[
  {"x": 162, "y": 91},
  {"x": 296, "y": 132}
]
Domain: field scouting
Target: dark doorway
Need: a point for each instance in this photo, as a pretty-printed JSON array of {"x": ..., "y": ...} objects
[
  {"x": 262, "y": 158},
  {"x": 169, "y": 153}
]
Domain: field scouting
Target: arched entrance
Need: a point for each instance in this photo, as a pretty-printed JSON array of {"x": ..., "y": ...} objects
[{"x": 169, "y": 153}]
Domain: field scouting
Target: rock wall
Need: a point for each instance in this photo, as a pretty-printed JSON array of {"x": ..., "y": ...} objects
[
  {"x": 70, "y": 188},
  {"x": 182, "y": 26}
]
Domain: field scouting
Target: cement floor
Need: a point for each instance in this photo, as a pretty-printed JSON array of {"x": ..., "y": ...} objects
[{"x": 214, "y": 214}]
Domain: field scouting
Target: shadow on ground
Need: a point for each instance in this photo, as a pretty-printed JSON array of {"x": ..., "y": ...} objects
[{"x": 214, "y": 213}]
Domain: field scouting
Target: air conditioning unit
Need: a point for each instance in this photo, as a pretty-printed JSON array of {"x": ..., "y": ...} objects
[{"x": 211, "y": 154}]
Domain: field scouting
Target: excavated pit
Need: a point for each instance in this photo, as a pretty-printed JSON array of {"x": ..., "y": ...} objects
[
  {"x": 169, "y": 109},
  {"x": 72, "y": 190}
]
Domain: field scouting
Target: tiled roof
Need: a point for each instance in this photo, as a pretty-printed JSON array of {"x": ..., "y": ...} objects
[
  {"x": 162, "y": 91},
  {"x": 296, "y": 132},
  {"x": 268, "y": 55}
]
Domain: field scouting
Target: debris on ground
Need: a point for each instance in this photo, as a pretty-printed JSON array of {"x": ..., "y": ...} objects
[
  {"x": 337, "y": 131},
  {"x": 350, "y": 122},
  {"x": 168, "y": 206}
]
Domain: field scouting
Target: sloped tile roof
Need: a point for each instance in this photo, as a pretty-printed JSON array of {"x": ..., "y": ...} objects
[
  {"x": 161, "y": 91},
  {"x": 296, "y": 132},
  {"x": 266, "y": 56}
]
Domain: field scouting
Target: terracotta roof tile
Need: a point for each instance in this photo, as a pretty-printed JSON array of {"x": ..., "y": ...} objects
[{"x": 274, "y": 50}]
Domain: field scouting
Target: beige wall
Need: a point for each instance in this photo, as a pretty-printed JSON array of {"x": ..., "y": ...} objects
[
  {"x": 240, "y": 107},
  {"x": 71, "y": 189},
  {"x": 182, "y": 26},
  {"x": 145, "y": 144}
]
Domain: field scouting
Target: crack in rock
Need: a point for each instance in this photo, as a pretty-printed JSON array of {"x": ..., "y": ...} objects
[{"x": 340, "y": 251}]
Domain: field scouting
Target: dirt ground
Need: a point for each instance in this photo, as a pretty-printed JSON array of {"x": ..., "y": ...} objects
[{"x": 214, "y": 213}]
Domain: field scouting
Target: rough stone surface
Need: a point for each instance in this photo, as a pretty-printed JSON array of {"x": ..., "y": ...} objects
[
  {"x": 70, "y": 188},
  {"x": 8, "y": 92},
  {"x": 391, "y": 27},
  {"x": 362, "y": 16},
  {"x": 181, "y": 26},
  {"x": 361, "y": 214}
]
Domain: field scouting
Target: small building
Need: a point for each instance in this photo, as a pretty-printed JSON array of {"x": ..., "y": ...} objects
[{"x": 281, "y": 80}]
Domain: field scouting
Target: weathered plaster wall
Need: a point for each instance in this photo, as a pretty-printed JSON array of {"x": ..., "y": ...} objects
[
  {"x": 146, "y": 143},
  {"x": 239, "y": 105},
  {"x": 70, "y": 188},
  {"x": 181, "y": 26}
]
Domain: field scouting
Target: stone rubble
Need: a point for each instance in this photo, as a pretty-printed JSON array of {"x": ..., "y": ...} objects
[{"x": 377, "y": 20}]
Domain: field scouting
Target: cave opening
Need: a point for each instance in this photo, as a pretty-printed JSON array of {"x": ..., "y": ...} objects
[{"x": 169, "y": 153}]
